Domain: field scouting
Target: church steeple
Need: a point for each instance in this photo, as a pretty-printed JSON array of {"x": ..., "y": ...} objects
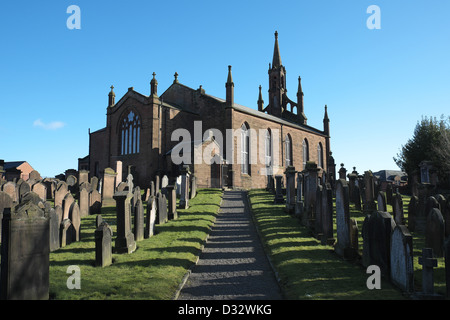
[
  {"x": 276, "y": 61},
  {"x": 277, "y": 83},
  {"x": 300, "y": 107}
]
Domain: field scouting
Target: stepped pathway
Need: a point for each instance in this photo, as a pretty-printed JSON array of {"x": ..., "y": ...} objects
[{"x": 233, "y": 264}]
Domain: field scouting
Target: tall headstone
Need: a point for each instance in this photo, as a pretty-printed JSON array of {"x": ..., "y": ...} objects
[
  {"x": 278, "y": 189},
  {"x": 95, "y": 202},
  {"x": 54, "y": 224},
  {"x": 428, "y": 263},
  {"x": 119, "y": 170},
  {"x": 150, "y": 217},
  {"x": 161, "y": 204},
  {"x": 139, "y": 220},
  {"x": 66, "y": 204},
  {"x": 83, "y": 176},
  {"x": 193, "y": 189},
  {"x": 10, "y": 188},
  {"x": 311, "y": 179},
  {"x": 108, "y": 184},
  {"x": 290, "y": 189},
  {"x": 413, "y": 208},
  {"x": 327, "y": 215},
  {"x": 172, "y": 202},
  {"x": 40, "y": 189},
  {"x": 83, "y": 199},
  {"x": 25, "y": 253},
  {"x": 184, "y": 198},
  {"x": 402, "y": 265},
  {"x": 125, "y": 239},
  {"x": 5, "y": 202},
  {"x": 318, "y": 231},
  {"x": 24, "y": 188},
  {"x": 435, "y": 233},
  {"x": 369, "y": 191},
  {"x": 381, "y": 201},
  {"x": 299, "y": 200},
  {"x": 343, "y": 245},
  {"x": 61, "y": 191},
  {"x": 397, "y": 208},
  {"x": 103, "y": 245},
  {"x": 74, "y": 216}
]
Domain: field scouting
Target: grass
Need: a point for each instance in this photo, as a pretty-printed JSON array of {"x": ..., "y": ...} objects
[
  {"x": 309, "y": 270},
  {"x": 154, "y": 271}
]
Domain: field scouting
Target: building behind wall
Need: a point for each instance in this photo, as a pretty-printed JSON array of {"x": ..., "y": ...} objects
[{"x": 139, "y": 128}]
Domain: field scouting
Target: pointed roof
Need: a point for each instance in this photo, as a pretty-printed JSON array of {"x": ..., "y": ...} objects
[
  {"x": 230, "y": 78},
  {"x": 276, "y": 61}
]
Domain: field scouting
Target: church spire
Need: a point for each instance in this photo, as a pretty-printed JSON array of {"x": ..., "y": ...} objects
[
  {"x": 260, "y": 101},
  {"x": 229, "y": 85},
  {"x": 111, "y": 97},
  {"x": 276, "y": 61}
]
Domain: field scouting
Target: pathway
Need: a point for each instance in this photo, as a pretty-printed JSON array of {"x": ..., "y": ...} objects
[{"x": 233, "y": 264}]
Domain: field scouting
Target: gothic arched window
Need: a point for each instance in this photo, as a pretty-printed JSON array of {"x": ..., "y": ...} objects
[
  {"x": 288, "y": 152},
  {"x": 130, "y": 131},
  {"x": 305, "y": 151},
  {"x": 245, "y": 149},
  {"x": 320, "y": 155}
]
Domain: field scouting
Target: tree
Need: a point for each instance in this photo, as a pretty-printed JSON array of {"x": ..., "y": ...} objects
[{"x": 431, "y": 141}]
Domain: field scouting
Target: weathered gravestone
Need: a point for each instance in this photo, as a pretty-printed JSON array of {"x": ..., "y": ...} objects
[
  {"x": 402, "y": 266},
  {"x": 413, "y": 207},
  {"x": 278, "y": 189},
  {"x": 83, "y": 200},
  {"x": 193, "y": 189},
  {"x": 164, "y": 181},
  {"x": 103, "y": 245},
  {"x": 299, "y": 200},
  {"x": 310, "y": 183},
  {"x": 23, "y": 189},
  {"x": 327, "y": 215},
  {"x": 54, "y": 224},
  {"x": 61, "y": 191},
  {"x": 108, "y": 184},
  {"x": 150, "y": 217},
  {"x": 377, "y": 230},
  {"x": 125, "y": 238},
  {"x": 435, "y": 233},
  {"x": 290, "y": 189},
  {"x": 161, "y": 205},
  {"x": 40, "y": 189},
  {"x": 184, "y": 197},
  {"x": 74, "y": 216},
  {"x": 172, "y": 202},
  {"x": 25, "y": 253},
  {"x": 66, "y": 204},
  {"x": 10, "y": 188},
  {"x": 447, "y": 265},
  {"x": 66, "y": 233},
  {"x": 139, "y": 220},
  {"x": 397, "y": 208},
  {"x": 94, "y": 183},
  {"x": 343, "y": 245},
  {"x": 95, "y": 202},
  {"x": 5, "y": 202},
  {"x": 318, "y": 213},
  {"x": 369, "y": 192},
  {"x": 381, "y": 201},
  {"x": 428, "y": 263}
]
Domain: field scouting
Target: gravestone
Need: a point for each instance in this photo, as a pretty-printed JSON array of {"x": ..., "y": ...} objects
[
  {"x": 83, "y": 176},
  {"x": 74, "y": 216},
  {"x": 377, "y": 231},
  {"x": 278, "y": 189},
  {"x": 184, "y": 197},
  {"x": 397, "y": 208},
  {"x": 23, "y": 189},
  {"x": 193, "y": 189},
  {"x": 66, "y": 204},
  {"x": 139, "y": 221},
  {"x": 357, "y": 195},
  {"x": 108, "y": 184},
  {"x": 446, "y": 215},
  {"x": 435, "y": 233},
  {"x": 122, "y": 186},
  {"x": 318, "y": 232},
  {"x": 59, "y": 214},
  {"x": 54, "y": 224},
  {"x": 71, "y": 181},
  {"x": 103, "y": 245},
  {"x": 343, "y": 245},
  {"x": 299, "y": 201},
  {"x": 369, "y": 192},
  {"x": 381, "y": 201},
  {"x": 125, "y": 238},
  {"x": 389, "y": 193},
  {"x": 10, "y": 188},
  {"x": 95, "y": 202},
  {"x": 25, "y": 253},
  {"x": 402, "y": 265},
  {"x": 34, "y": 176},
  {"x": 428, "y": 263},
  {"x": 98, "y": 220},
  {"x": 327, "y": 215},
  {"x": 158, "y": 182},
  {"x": 290, "y": 189},
  {"x": 40, "y": 189},
  {"x": 172, "y": 202},
  {"x": 310, "y": 183},
  {"x": 5, "y": 202},
  {"x": 61, "y": 191},
  {"x": 94, "y": 183},
  {"x": 66, "y": 233},
  {"x": 150, "y": 218},
  {"x": 164, "y": 181},
  {"x": 152, "y": 189},
  {"x": 161, "y": 212},
  {"x": 83, "y": 200}
]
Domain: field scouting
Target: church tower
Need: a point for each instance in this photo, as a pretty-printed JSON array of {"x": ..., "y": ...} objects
[{"x": 277, "y": 82}]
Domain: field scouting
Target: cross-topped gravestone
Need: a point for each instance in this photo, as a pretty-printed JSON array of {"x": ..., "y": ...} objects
[{"x": 428, "y": 263}]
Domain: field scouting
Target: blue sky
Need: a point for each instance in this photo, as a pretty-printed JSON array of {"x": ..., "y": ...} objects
[{"x": 377, "y": 84}]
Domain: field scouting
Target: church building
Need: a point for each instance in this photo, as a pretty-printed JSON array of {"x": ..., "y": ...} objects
[{"x": 254, "y": 143}]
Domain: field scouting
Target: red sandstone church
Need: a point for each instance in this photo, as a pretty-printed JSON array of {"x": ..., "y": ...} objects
[{"x": 139, "y": 130}]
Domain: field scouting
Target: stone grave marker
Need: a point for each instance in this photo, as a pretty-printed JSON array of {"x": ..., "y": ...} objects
[
  {"x": 5, "y": 202},
  {"x": 172, "y": 202},
  {"x": 125, "y": 238},
  {"x": 139, "y": 220},
  {"x": 318, "y": 213},
  {"x": 66, "y": 204},
  {"x": 435, "y": 232},
  {"x": 193, "y": 189},
  {"x": 83, "y": 200},
  {"x": 150, "y": 217},
  {"x": 23, "y": 189},
  {"x": 41, "y": 189},
  {"x": 161, "y": 204},
  {"x": 278, "y": 189},
  {"x": 74, "y": 216},
  {"x": 402, "y": 265},
  {"x": 184, "y": 198},
  {"x": 25, "y": 253},
  {"x": 413, "y": 207},
  {"x": 343, "y": 245},
  {"x": 290, "y": 189},
  {"x": 54, "y": 224},
  {"x": 164, "y": 181},
  {"x": 61, "y": 191},
  {"x": 10, "y": 188},
  {"x": 94, "y": 183},
  {"x": 66, "y": 233},
  {"x": 327, "y": 215},
  {"x": 103, "y": 245},
  {"x": 397, "y": 208},
  {"x": 108, "y": 184},
  {"x": 95, "y": 202},
  {"x": 428, "y": 263},
  {"x": 381, "y": 201}
]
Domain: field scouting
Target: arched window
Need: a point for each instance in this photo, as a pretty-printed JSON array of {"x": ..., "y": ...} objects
[
  {"x": 320, "y": 155},
  {"x": 305, "y": 152},
  {"x": 288, "y": 150},
  {"x": 245, "y": 149},
  {"x": 130, "y": 131}
]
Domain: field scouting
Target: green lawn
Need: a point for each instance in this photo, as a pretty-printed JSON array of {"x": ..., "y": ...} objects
[
  {"x": 154, "y": 271},
  {"x": 309, "y": 270}
]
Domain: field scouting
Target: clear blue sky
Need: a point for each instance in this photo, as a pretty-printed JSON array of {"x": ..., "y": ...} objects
[{"x": 377, "y": 84}]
